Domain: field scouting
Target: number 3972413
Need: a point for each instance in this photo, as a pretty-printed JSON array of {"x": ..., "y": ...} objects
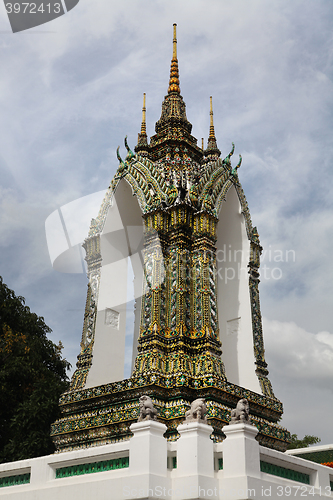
[{"x": 31, "y": 8}]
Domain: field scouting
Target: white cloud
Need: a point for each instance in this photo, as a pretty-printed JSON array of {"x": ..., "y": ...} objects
[
  {"x": 301, "y": 372},
  {"x": 325, "y": 338},
  {"x": 300, "y": 354}
]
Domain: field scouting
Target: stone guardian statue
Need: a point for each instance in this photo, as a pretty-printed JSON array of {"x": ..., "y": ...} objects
[
  {"x": 241, "y": 414},
  {"x": 147, "y": 410},
  {"x": 197, "y": 412}
]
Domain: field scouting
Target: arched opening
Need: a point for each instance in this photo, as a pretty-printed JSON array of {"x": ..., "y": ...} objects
[
  {"x": 234, "y": 305},
  {"x": 121, "y": 243}
]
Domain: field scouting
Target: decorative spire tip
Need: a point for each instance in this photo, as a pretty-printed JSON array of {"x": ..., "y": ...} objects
[
  {"x": 174, "y": 42},
  {"x": 211, "y": 128},
  {"x": 143, "y": 123},
  {"x": 212, "y": 149},
  {"x": 174, "y": 73}
]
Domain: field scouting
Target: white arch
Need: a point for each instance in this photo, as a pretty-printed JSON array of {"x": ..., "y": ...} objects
[
  {"x": 234, "y": 303},
  {"x": 121, "y": 238}
]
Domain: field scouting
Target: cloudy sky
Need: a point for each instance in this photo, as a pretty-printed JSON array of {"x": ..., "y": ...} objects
[{"x": 70, "y": 91}]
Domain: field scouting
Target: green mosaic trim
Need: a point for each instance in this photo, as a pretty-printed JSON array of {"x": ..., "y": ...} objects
[
  {"x": 270, "y": 429},
  {"x": 169, "y": 382},
  {"x": 167, "y": 411},
  {"x": 220, "y": 463},
  {"x": 276, "y": 470},
  {"x": 15, "y": 480},
  {"x": 319, "y": 457},
  {"x": 78, "y": 470},
  {"x": 110, "y": 423},
  {"x": 174, "y": 462}
]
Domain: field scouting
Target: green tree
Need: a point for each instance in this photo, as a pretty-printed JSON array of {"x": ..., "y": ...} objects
[
  {"x": 302, "y": 443},
  {"x": 32, "y": 377}
]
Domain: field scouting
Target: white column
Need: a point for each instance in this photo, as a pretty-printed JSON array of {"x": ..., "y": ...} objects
[
  {"x": 148, "y": 459},
  {"x": 241, "y": 462},
  {"x": 195, "y": 455},
  {"x": 195, "y": 462},
  {"x": 241, "y": 451}
]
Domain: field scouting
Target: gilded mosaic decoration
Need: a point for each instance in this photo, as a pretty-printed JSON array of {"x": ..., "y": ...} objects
[{"x": 180, "y": 189}]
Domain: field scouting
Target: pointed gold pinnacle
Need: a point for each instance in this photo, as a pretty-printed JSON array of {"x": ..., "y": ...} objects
[
  {"x": 212, "y": 149},
  {"x": 211, "y": 128},
  {"x": 143, "y": 123},
  {"x": 174, "y": 73}
]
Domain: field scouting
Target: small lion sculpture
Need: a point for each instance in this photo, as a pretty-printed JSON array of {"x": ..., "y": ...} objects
[
  {"x": 241, "y": 414},
  {"x": 197, "y": 412},
  {"x": 147, "y": 410}
]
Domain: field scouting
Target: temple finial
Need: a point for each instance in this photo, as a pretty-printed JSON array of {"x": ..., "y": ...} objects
[
  {"x": 142, "y": 146},
  {"x": 173, "y": 130},
  {"x": 174, "y": 42},
  {"x": 202, "y": 143},
  {"x": 143, "y": 123},
  {"x": 211, "y": 128},
  {"x": 212, "y": 149},
  {"x": 174, "y": 73}
]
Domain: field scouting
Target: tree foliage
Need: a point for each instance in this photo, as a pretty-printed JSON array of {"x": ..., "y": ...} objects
[
  {"x": 302, "y": 443},
  {"x": 32, "y": 377}
]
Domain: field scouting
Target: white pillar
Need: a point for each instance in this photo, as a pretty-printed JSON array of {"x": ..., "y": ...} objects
[
  {"x": 148, "y": 459},
  {"x": 195, "y": 462},
  {"x": 195, "y": 454},
  {"x": 240, "y": 451}
]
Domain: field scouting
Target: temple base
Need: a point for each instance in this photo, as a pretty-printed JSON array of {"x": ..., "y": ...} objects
[{"x": 104, "y": 414}]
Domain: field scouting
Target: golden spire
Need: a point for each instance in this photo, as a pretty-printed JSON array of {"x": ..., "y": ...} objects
[
  {"x": 212, "y": 149},
  {"x": 211, "y": 128},
  {"x": 143, "y": 123},
  {"x": 174, "y": 73},
  {"x": 173, "y": 125},
  {"x": 202, "y": 143},
  {"x": 142, "y": 145}
]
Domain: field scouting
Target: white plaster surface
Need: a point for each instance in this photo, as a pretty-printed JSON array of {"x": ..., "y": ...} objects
[
  {"x": 195, "y": 459},
  {"x": 109, "y": 350},
  {"x": 148, "y": 476},
  {"x": 234, "y": 305},
  {"x": 195, "y": 449},
  {"x": 121, "y": 240},
  {"x": 148, "y": 457},
  {"x": 241, "y": 451}
]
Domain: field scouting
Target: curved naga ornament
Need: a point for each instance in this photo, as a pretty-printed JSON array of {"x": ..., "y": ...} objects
[{"x": 130, "y": 152}]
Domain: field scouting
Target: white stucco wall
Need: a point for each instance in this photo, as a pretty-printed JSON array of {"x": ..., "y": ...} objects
[
  {"x": 234, "y": 307},
  {"x": 150, "y": 473},
  {"x": 120, "y": 240}
]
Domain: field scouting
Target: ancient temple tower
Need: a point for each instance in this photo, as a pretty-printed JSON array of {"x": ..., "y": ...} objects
[{"x": 179, "y": 213}]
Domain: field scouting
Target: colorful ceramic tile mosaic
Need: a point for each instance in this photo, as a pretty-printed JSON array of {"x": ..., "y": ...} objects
[{"x": 180, "y": 188}]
